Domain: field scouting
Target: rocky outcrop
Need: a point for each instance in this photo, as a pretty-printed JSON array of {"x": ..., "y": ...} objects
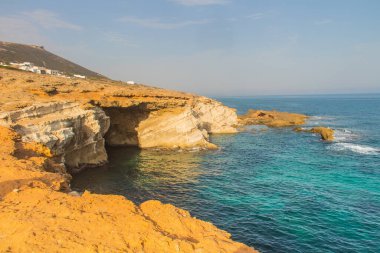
[
  {"x": 327, "y": 134},
  {"x": 272, "y": 118},
  {"x": 49, "y": 124},
  {"x": 172, "y": 129},
  {"x": 36, "y": 217},
  {"x": 72, "y": 134},
  {"x": 214, "y": 117},
  {"x": 40, "y": 220},
  {"x": 131, "y": 110},
  {"x": 76, "y": 135},
  {"x": 187, "y": 126},
  {"x": 28, "y": 165}
]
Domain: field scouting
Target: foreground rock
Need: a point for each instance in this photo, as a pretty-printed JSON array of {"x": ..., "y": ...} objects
[
  {"x": 327, "y": 134},
  {"x": 41, "y": 220},
  {"x": 272, "y": 118}
]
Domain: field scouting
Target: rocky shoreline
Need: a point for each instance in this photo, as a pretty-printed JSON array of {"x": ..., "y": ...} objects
[{"x": 50, "y": 127}]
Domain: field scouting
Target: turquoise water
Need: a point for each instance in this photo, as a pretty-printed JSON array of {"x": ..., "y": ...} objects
[{"x": 273, "y": 189}]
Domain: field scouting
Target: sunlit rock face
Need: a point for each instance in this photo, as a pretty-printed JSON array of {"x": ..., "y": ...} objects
[
  {"x": 214, "y": 117},
  {"x": 185, "y": 126},
  {"x": 76, "y": 118},
  {"x": 46, "y": 121},
  {"x": 172, "y": 128},
  {"x": 272, "y": 118},
  {"x": 70, "y": 132}
]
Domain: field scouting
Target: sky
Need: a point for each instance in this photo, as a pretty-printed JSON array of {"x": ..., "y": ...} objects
[{"x": 211, "y": 47}]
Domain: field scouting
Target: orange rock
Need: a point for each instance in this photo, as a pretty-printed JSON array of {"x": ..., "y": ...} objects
[
  {"x": 272, "y": 118},
  {"x": 36, "y": 215},
  {"x": 326, "y": 133},
  {"x": 42, "y": 220}
]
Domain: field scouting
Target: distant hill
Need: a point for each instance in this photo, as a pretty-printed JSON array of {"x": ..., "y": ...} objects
[{"x": 14, "y": 52}]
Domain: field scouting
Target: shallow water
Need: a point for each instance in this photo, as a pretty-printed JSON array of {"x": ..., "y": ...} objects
[{"x": 273, "y": 189}]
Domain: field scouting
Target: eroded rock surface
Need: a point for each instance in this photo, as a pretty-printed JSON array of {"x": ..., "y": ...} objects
[
  {"x": 272, "y": 118},
  {"x": 173, "y": 128},
  {"x": 51, "y": 121},
  {"x": 73, "y": 134},
  {"x": 327, "y": 134},
  {"x": 41, "y": 220},
  {"x": 214, "y": 117},
  {"x": 80, "y": 116}
]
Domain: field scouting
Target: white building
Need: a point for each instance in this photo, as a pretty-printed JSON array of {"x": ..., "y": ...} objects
[
  {"x": 131, "y": 82},
  {"x": 80, "y": 76}
]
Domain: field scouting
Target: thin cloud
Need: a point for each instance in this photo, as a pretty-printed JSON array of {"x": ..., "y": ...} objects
[
  {"x": 118, "y": 38},
  {"x": 49, "y": 20},
  {"x": 200, "y": 2},
  {"x": 259, "y": 15},
  {"x": 323, "y": 21},
  {"x": 158, "y": 24}
]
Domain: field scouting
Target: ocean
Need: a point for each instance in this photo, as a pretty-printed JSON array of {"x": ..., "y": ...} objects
[{"x": 273, "y": 189}]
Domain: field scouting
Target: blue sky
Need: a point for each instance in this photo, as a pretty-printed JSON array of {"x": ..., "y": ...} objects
[{"x": 211, "y": 47}]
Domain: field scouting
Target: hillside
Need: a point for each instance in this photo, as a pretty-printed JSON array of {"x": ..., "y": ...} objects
[{"x": 14, "y": 52}]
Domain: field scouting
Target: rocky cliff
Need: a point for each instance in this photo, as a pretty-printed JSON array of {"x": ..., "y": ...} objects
[
  {"x": 49, "y": 125},
  {"x": 75, "y": 118},
  {"x": 73, "y": 135}
]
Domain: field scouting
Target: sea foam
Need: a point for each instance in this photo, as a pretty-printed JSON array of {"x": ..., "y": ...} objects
[
  {"x": 344, "y": 135},
  {"x": 361, "y": 149}
]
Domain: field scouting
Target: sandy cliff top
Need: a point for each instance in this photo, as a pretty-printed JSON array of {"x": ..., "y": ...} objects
[{"x": 20, "y": 89}]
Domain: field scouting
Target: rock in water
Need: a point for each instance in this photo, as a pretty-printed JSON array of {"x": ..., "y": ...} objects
[
  {"x": 272, "y": 118},
  {"x": 327, "y": 134}
]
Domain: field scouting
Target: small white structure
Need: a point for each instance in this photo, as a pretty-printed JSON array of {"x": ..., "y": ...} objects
[
  {"x": 131, "y": 82},
  {"x": 54, "y": 72},
  {"x": 80, "y": 76}
]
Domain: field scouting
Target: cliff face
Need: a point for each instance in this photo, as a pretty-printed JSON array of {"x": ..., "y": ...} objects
[
  {"x": 173, "y": 128},
  {"x": 72, "y": 134},
  {"x": 48, "y": 125},
  {"x": 214, "y": 117},
  {"x": 75, "y": 118}
]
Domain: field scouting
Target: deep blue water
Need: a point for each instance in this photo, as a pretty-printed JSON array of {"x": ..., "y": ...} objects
[{"x": 273, "y": 189}]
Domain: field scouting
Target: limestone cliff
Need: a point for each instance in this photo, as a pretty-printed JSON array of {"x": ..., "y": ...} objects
[
  {"x": 49, "y": 124},
  {"x": 173, "y": 128},
  {"x": 73, "y": 135},
  {"x": 75, "y": 118},
  {"x": 214, "y": 117}
]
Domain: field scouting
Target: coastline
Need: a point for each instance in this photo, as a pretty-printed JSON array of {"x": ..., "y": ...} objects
[{"x": 51, "y": 126}]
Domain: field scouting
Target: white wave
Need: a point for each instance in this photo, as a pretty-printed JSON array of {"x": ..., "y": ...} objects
[
  {"x": 324, "y": 118},
  {"x": 361, "y": 149},
  {"x": 344, "y": 135}
]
